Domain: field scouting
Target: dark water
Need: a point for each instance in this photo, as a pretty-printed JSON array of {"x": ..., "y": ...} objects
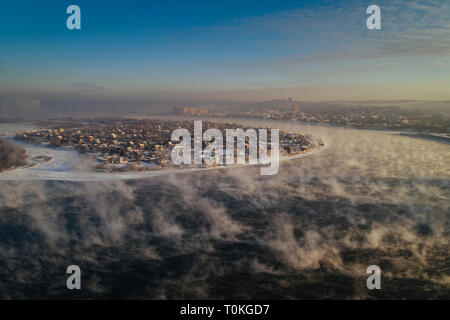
[{"x": 309, "y": 232}]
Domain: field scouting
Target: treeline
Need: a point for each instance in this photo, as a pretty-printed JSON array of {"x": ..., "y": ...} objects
[{"x": 11, "y": 156}]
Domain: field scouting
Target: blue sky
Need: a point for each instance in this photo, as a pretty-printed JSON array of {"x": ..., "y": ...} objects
[{"x": 255, "y": 50}]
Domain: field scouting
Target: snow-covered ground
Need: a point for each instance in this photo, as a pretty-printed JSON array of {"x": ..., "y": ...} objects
[
  {"x": 68, "y": 165},
  {"x": 64, "y": 162},
  {"x": 7, "y": 129}
]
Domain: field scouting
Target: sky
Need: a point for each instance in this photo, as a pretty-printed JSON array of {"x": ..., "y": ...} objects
[{"x": 227, "y": 50}]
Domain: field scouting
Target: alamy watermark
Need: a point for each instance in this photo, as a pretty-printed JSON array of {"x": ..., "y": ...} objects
[
  {"x": 208, "y": 147},
  {"x": 374, "y": 281},
  {"x": 73, "y": 22},
  {"x": 373, "y": 22},
  {"x": 74, "y": 280}
]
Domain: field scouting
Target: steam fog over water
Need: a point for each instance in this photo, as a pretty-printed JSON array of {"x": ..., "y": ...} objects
[{"x": 308, "y": 232}]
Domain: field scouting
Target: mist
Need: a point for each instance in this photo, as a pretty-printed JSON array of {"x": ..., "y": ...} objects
[{"x": 308, "y": 232}]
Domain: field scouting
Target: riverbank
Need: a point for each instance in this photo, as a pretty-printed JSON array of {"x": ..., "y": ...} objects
[{"x": 68, "y": 165}]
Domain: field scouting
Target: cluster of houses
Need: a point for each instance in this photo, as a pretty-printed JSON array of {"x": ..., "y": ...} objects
[
  {"x": 295, "y": 143},
  {"x": 117, "y": 144},
  {"x": 138, "y": 141},
  {"x": 354, "y": 119}
]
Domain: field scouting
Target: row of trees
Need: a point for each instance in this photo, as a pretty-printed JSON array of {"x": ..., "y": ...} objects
[{"x": 11, "y": 156}]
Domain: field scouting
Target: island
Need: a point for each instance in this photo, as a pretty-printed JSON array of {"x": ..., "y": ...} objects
[{"x": 124, "y": 144}]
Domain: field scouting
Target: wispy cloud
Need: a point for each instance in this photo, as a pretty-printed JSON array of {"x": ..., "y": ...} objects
[{"x": 409, "y": 29}]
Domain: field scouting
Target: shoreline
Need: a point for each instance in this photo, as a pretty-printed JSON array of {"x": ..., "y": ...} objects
[
  {"x": 86, "y": 173},
  {"x": 433, "y": 136},
  {"x": 71, "y": 166}
]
